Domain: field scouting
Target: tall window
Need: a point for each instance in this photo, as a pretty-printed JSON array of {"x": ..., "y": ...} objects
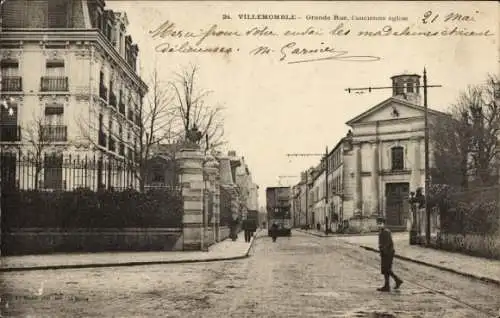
[
  {"x": 11, "y": 81},
  {"x": 54, "y": 114},
  {"x": 397, "y": 158},
  {"x": 10, "y": 68},
  {"x": 53, "y": 176},
  {"x": 101, "y": 122},
  {"x": 55, "y": 68},
  {"x": 8, "y": 116}
]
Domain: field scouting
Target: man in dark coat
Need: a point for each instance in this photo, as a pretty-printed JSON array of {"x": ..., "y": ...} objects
[
  {"x": 247, "y": 228},
  {"x": 386, "y": 248},
  {"x": 274, "y": 231}
]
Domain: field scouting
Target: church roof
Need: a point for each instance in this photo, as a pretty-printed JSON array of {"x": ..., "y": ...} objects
[{"x": 392, "y": 100}]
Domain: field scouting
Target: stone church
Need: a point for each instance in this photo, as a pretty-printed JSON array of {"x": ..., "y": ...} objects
[{"x": 383, "y": 157}]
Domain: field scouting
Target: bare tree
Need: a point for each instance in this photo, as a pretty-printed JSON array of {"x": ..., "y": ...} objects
[
  {"x": 37, "y": 137},
  {"x": 467, "y": 142},
  {"x": 194, "y": 111},
  {"x": 154, "y": 124}
]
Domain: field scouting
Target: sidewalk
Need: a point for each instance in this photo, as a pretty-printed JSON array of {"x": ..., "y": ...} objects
[
  {"x": 470, "y": 266},
  {"x": 224, "y": 250},
  {"x": 322, "y": 233}
]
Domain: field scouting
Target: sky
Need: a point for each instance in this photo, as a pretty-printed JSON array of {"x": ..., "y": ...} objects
[{"x": 272, "y": 107}]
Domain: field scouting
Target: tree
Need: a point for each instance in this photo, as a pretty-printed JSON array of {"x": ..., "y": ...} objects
[
  {"x": 467, "y": 141},
  {"x": 38, "y": 139},
  {"x": 193, "y": 110},
  {"x": 155, "y": 127},
  {"x": 154, "y": 124}
]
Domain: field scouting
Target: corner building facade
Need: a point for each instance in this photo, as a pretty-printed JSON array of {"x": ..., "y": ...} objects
[{"x": 70, "y": 65}]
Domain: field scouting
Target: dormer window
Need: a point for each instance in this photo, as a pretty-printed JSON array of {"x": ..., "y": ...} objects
[{"x": 58, "y": 14}]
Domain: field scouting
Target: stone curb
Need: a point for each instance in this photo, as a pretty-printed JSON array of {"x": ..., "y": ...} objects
[
  {"x": 336, "y": 234},
  {"x": 443, "y": 268},
  {"x": 123, "y": 264}
]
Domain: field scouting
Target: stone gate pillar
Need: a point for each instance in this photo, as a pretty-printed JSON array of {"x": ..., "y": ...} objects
[
  {"x": 191, "y": 177},
  {"x": 212, "y": 171}
]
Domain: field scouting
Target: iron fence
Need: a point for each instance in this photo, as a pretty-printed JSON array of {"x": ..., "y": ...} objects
[{"x": 66, "y": 172}]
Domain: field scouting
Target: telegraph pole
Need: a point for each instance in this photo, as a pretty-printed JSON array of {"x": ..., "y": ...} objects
[
  {"x": 426, "y": 145},
  {"x": 427, "y": 172}
]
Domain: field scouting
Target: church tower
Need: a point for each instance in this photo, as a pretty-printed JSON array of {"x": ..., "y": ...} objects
[{"x": 407, "y": 87}]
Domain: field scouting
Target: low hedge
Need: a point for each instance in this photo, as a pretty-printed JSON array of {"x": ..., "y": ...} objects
[{"x": 83, "y": 208}]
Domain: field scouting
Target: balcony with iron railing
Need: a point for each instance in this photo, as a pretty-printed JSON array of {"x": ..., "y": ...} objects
[
  {"x": 12, "y": 84},
  {"x": 54, "y": 133},
  {"x": 112, "y": 99},
  {"x": 54, "y": 84},
  {"x": 103, "y": 92},
  {"x": 102, "y": 139},
  {"x": 10, "y": 133}
]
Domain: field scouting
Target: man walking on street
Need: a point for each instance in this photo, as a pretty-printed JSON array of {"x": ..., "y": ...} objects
[
  {"x": 386, "y": 248},
  {"x": 246, "y": 228}
]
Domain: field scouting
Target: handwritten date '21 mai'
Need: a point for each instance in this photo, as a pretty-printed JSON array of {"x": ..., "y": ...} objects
[{"x": 291, "y": 52}]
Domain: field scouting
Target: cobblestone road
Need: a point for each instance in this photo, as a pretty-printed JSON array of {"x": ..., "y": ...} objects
[{"x": 301, "y": 276}]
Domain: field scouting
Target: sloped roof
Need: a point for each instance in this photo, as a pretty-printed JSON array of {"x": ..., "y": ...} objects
[{"x": 384, "y": 103}]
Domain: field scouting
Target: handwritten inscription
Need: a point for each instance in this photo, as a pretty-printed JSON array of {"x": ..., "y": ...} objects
[
  {"x": 297, "y": 43},
  {"x": 431, "y": 17},
  {"x": 168, "y": 29},
  {"x": 321, "y": 53}
]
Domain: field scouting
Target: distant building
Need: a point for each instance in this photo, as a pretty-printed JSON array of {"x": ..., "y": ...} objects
[
  {"x": 317, "y": 196},
  {"x": 336, "y": 176}
]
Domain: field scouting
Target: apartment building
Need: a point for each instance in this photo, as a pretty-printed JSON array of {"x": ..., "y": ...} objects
[
  {"x": 336, "y": 189},
  {"x": 317, "y": 196},
  {"x": 69, "y": 74}
]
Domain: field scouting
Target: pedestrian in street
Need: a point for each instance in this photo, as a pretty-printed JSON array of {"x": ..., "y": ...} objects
[
  {"x": 386, "y": 248},
  {"x": 274, "y": 231},
  {"x": 246, "y": 228}
]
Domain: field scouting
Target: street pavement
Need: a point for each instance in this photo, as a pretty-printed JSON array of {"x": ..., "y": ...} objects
[
  {"x": 476, "y": 267},
  {"x": 298, "y": 276},
  {"x": 224, "y": 250}
]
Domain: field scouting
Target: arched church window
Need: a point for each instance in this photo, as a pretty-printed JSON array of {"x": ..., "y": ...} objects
[{"x": 397, "y": 158}]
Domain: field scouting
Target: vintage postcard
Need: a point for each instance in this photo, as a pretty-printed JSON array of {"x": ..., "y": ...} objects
[{"x": 249, "y": 158}]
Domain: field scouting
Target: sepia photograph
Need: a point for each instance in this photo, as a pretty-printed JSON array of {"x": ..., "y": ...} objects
[{"x": 168, "y": 158}]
